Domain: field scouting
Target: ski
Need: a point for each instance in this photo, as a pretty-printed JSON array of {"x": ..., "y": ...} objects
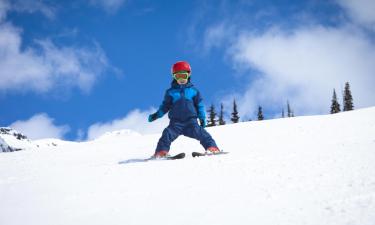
[
  {"x": 198, "y": 154},
  {"x": 178, "y": 156},
  {"x": 152, "y": 158}
]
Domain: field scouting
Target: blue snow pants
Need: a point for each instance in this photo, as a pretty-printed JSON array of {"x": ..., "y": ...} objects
[{"x": 189, "y": 128}]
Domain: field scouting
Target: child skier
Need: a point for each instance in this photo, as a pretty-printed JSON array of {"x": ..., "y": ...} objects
[{"x": 184, "y": 103}]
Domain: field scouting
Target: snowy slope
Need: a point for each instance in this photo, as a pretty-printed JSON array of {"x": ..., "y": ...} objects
[
  {"x": 12, "y": 140},
  {"x": 312, "y": 170},
  {"x": 4, "y": 147}
]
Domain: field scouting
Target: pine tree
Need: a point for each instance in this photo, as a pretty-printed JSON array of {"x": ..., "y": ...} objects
[
  {"x": 335, "y": 107},
  {"x": 282, "y": 113},
  {"x": 235, "y": 118},
  {"x": 290, "y": 113},
  {"x": 221, "y": 117},
  {"x": 211, "y": 116},
  {"x": 348, "y": 99},
  {"x": 260, "y": 113}
]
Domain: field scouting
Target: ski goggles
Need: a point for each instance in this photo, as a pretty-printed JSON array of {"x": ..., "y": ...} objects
[{"x": 181, "y": 75}]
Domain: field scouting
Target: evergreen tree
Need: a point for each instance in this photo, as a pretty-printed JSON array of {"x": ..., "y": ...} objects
[
  {"x": 235, "y": 118},
  {"x": 260, "y": 113},
  {"x": 282, "y": 113},
  {"x": 221, "y": 117},
  {"x": 335, "y": 107},
  {"x": 211, "y": 116},
  {"x": 290, "y": 113},
  {"x": 348, "y": 99}
]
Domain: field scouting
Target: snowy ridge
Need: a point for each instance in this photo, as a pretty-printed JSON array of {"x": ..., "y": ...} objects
[
  {"x": 4, "y": 147},
  {"x": 314, "y": 170},
  {"x": 118, "y": 134},
  {"x": 12, "y": 140},
  {"x": 52, "y": 142}
]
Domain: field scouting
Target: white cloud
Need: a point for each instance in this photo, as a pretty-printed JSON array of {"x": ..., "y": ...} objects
[
  {"x": 45, "y": 66},
  {"x": 32, "y": 6},
  {"x": 110, "y": 6},
  {"x": 304, "y": 66},
  {"x": 135, "y": 120},
  {"x": 40, "y": 126},
  {"x": 361, "y": 11},
  {"x": 216, "y": 36}
]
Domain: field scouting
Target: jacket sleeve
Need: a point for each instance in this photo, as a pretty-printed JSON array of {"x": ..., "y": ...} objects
[
  {"x": 198, "y": 102},
  {"x": 165, "y": 105}
]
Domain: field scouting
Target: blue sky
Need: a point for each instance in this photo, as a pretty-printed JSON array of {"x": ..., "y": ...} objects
[{"x": 76, "y": 69}]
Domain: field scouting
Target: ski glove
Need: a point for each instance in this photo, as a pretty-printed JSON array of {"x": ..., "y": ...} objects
[
  {"x": 153, "y": 117},
  {"x": 202, "y": 122}
]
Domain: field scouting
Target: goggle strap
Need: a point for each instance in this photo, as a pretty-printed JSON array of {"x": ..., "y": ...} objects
[{"x": 181, "y": 71}]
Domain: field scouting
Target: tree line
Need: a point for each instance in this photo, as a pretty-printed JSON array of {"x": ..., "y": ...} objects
[{"x": 214, "y": 119}]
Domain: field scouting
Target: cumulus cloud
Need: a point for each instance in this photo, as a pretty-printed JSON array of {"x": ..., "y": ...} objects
[
  {"x": 110, "y": 6},
  {"x": 304, "y": 66},
  {"x": 135, "y": 120},
  {"x": 360, "y": 11},
  {"x": 40, "y": 126},
  {"x": 45, "y": 65},
  {"x": 301, "y": 62}
]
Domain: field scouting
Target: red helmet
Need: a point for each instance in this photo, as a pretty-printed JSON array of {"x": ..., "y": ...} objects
[{"x": 181, "y": 66}]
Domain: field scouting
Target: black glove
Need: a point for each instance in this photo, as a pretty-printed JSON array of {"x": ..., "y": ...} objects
[{"x": 152, "y": 117}]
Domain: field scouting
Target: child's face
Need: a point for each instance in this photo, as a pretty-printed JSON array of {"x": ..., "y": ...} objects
[{"x": 182, "y": 81}]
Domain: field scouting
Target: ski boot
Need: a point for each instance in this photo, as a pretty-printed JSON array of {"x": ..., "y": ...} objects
[
  {"x": 160, "y": 154},
  {"x": 212, "y": 150}
]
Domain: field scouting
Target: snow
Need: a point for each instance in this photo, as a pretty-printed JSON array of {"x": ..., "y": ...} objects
[
  {"x": 4, "y": 147},
  {"x": 313, "y": 170},
  {"x": 9, "y": 138},
  {"x": 119, "y": 134}
]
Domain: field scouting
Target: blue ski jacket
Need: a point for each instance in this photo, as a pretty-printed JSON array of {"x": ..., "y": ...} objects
[{"x": 183, "y": 102}]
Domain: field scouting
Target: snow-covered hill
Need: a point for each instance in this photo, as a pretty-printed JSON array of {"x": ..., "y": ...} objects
[
  {"x": 312, "y": 170},
  {"x": 4, "y": 147},
  {"x": 12, "y": 140}
]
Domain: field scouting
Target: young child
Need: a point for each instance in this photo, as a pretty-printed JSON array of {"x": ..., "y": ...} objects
[{"x": 184, "y": 103}]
